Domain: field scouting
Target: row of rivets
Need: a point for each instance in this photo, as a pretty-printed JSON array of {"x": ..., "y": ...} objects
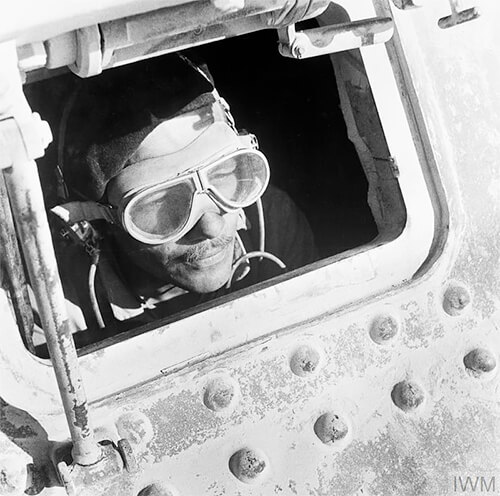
[
  {"x": 385, "y": 327},
  {"x": 222, "y": 392},
  {"x": 249, "y": 464}
]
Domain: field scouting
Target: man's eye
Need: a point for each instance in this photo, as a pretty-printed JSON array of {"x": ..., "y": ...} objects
[{"x": 221, "y": 176}]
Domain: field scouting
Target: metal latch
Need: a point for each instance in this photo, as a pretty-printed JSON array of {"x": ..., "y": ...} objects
[
  {"x": 458, "y": 16},
  {"x": 334, "y": 38},
  {"x": 407, "y": 4}
]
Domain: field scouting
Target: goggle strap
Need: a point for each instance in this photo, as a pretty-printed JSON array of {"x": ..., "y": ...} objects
[
  {"x": 248, "y": 140},
  {"x": 76, "y": 211}
]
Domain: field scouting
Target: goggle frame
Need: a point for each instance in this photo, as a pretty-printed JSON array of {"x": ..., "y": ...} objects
[{"x": 197, "y": 177}]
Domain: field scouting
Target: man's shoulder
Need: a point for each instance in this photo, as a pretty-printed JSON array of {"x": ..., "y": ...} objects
[{"x": 278, "y": 201}]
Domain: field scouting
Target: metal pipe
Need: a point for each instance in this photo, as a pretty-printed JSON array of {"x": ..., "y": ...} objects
[
  {"x": 15, "y": 271},
  {"x": 26, "y": 199},
  {"x": 29, "y": 213}
]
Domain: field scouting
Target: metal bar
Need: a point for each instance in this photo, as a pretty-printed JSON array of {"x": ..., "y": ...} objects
[
  {"x": 155, "y": 48},
  {"x": 21, "y": 145},
  {"x": 187, "y": 17},
  {"x": 29, "y": 212},
  {"x": 15, "y": 271},
  {"x": 335, "y": 38},
  {"x": 34, "y": 20},
  {"x": 458, "y": 17}
]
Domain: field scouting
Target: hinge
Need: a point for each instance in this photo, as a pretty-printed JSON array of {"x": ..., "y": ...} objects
[
  {"x": 334, "y": 38},
  {"x": 23, "y": 139}
]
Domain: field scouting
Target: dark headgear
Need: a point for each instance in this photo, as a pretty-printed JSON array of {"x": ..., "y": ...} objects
[{"x": 112, "y": 113}]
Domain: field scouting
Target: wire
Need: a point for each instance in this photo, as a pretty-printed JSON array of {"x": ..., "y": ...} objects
[
  {"x": 262, "y": 226},
  {"x": 248, "y": 256},
  {"x": 92, "y": 292}
]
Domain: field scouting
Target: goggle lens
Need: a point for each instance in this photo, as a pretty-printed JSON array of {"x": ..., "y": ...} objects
[
  {"x": 163, "y": 212},
  {"x": 239, "y": 180}
]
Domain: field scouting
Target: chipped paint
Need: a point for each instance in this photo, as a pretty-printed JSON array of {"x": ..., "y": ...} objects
[{"x": 183, "y": 422}]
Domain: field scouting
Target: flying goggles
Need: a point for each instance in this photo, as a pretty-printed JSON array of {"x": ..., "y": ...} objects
[
  {"x": 154, "y": 207},
  {"x": 168, "y": 210}
]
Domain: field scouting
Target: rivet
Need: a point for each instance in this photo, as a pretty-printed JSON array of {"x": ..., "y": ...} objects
[
  {"x": 135, "y": 427},
  {"x": 157, "y": 489},
  {"x": 479, "y": 361},
  {"x": 407, "y": 395},
  {"x": 248, "y": 465},
  {"x": 384, "y": 328},
  {"x": 304, "y": 360},
  {"x": 220, "y": 393},
  {"x": 330, "y": 428},
  {"x": 455, "y": 299}
]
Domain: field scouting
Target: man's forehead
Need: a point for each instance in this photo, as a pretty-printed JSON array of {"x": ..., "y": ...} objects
[{"x": 175, "y": 134}]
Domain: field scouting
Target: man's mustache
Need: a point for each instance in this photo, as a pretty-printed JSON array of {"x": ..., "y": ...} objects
[{"x": 205, "y": 248}]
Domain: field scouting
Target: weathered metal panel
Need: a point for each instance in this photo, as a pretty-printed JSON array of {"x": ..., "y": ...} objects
[{"x": 409, "y": 365}]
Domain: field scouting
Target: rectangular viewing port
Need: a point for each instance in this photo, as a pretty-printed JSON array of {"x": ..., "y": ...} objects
[{"x": 338, "y": 142}]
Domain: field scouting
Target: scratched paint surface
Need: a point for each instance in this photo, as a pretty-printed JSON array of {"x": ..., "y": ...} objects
[{"x": 185, "y": 446}]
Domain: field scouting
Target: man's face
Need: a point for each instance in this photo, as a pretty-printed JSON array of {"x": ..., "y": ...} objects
[{"x": 199, "y": 261}]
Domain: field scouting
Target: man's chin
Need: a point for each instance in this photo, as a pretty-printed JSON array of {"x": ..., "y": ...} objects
[
  {"x": 203, "y": 277},
  {"x": 202, "y": 281}
]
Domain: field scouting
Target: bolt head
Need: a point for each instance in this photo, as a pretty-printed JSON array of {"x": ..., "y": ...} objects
[
  {"x": 455, "y": 299},
  {"x": 248, "y": 465},
  {"x": 136, "y": 427},
  {"x": 305, "y": 360},
  {"x": 384, "y": 328},
  {"x": 221, "y": 393},
  {"x": 479, "y": 362},
  {"x": 407, "y": 395},
  {"x": 330, "y": 428}
]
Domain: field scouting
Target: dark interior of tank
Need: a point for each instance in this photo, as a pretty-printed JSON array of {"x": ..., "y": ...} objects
[{"x": 293, "y": 108}]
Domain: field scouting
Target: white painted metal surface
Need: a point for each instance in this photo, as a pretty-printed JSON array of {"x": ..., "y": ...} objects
[
  {"x": 31, "y": 20},
  {"x": 436, "y": 285}
]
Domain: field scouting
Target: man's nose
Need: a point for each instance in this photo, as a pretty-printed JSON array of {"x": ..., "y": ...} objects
[{"x": 210, "y": 225}]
